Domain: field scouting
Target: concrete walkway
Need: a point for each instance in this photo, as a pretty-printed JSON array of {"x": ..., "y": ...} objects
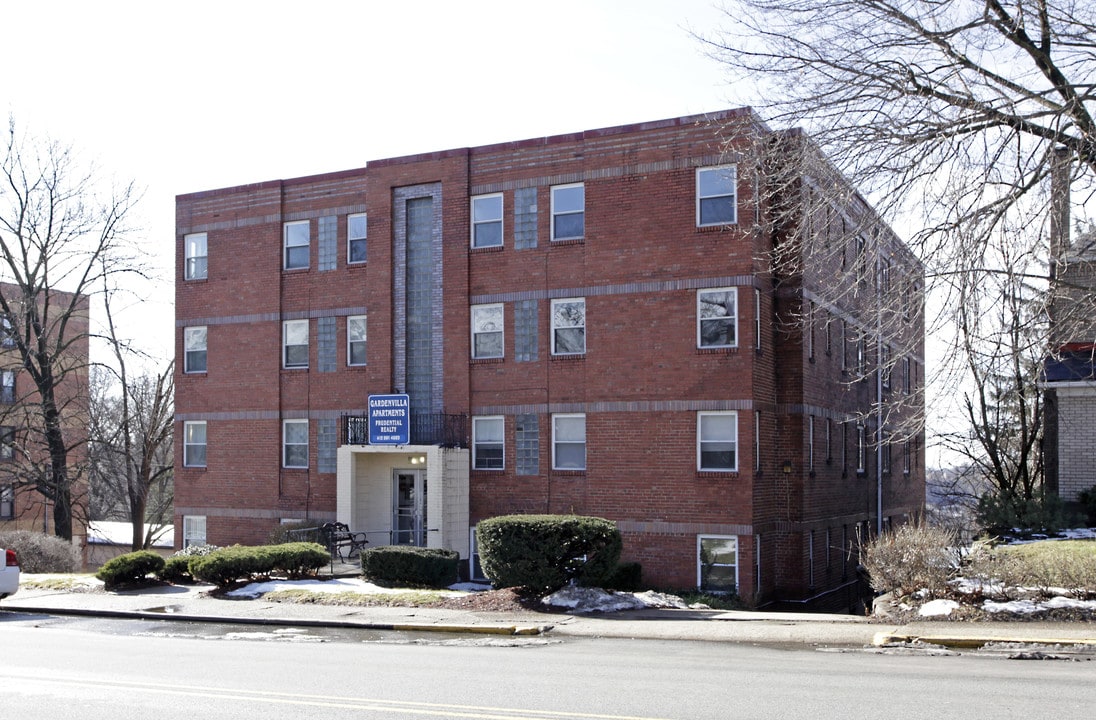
[{"x": 192, "y": 604}]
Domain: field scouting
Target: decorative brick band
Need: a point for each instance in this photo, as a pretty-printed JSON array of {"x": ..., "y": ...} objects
[{"x": 636, "y": 406}]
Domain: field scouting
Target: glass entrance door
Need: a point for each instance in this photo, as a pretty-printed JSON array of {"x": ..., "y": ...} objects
[{"x": 409, "y": 508}]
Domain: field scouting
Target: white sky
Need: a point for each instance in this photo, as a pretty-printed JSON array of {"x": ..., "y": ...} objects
[{"x": 182, "y": 97}]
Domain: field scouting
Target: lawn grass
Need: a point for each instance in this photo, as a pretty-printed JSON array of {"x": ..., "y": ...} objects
[{"x": 1046, "y": 566}]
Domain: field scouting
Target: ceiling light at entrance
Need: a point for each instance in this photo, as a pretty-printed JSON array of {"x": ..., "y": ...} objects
[{"x": 417, "y": 459}]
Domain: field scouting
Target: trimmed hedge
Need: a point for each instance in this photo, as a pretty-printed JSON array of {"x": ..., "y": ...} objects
[
  {"x": 542, "y": 553},
  {"x": 239, "y": 562},
  {"x": 132, "y": 567},
  {"x": 402, "y": 565},
  {"x": 627, "y": 577}
]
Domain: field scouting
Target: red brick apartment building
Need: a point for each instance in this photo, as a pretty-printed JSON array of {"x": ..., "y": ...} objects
[
  {"x": 592, "y": 323},
  {"x": 23, "y": 451}
]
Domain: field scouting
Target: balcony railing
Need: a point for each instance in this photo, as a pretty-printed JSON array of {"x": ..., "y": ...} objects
[{"x": 426, "y": 429}]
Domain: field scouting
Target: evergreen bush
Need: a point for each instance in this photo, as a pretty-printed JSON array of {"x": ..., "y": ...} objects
[
  {"x": 542, "y": 553},
  {"x": 130, "y": 568},
  {"x": 412, "y": 566}
]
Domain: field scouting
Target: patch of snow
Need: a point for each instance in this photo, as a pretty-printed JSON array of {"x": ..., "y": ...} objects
[
  {"x": 337, "y": 585},
  {"x": 937, "y": 608},
  {"x": 585, "y": 600},
  {"x": 1027, "y": 607}
]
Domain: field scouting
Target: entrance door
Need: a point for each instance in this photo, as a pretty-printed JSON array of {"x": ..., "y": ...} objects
[{"x": 409, "y": 508}]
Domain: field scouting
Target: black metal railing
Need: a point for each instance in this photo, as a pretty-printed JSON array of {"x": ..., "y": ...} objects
[{"x": 426, "y": 429}]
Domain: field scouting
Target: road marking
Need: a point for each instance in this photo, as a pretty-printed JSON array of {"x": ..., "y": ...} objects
[{"x": 480, "y": 712}]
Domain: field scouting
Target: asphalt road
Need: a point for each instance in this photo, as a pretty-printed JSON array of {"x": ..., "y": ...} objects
[{"x": 50, "y": 669}]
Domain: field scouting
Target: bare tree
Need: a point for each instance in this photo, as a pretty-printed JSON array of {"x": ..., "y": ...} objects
[
  {"x": 62, "y": 230},
  {"x": 130, "y": 449},
  {"x": 952, "y": 117}
]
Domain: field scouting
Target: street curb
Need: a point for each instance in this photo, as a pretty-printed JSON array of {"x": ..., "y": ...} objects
[
  {"x": 288, "y": 622},
  {"x": 951, "y": 641}
]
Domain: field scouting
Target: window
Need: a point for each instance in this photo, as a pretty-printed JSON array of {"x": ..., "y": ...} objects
[
  {"x": 295, "y": 443},
  {"x": 488, "y": 445},
  {"x": 357, "y": 228},
  {"x": 7, "y": 502},
  {"x": 861, "y": 450},
  {"x": 7, "y": 386},
  {"x": 906, "y": 458},
  {"x": 757, "y": 319},
  {"x": 717, "y": 318},
  {"x": 885, "y": 453},
  {"x": 861, "y": 353},
  {"x": 569, "y": 326},
  {"x": 715, "y": 195},
  {"x": 194, "y": 349},
  {"x": 810, "y": 443},
  {"x": 717, "y": 563},
  {"x": 717, "y": 441},
  {"x": 569, "y": 442},
  {"x": 885, "y": 366},
  {"x": 7, "y": 332},
  {"x": 196, "y": 261},
  {"x": 487, "y": 221},
  {"x": 757, "y": 441},
  {"x": 907, "y": 378},
  {"x": 487, "y": 329},
  {"x": 296, "y": 244},
  {"x": 829, "y": 441},
  {"x": 810, "y": 330},
  {"x": 295, "y": 344},
  {"x": 194, "y": 530},
  {"x": 7, "y": 443},
  {"x": 355, "y": 340},
  {"x": 569, "y": 212},
  {"x": 194, "y": 444}
]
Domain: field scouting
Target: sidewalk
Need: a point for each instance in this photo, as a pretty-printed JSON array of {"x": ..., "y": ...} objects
[{"x": 190, "y": 604}]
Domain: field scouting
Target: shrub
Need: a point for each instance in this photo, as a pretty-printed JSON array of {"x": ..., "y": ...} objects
[
  {"x": 41, "y": 553},
  {"x": 130, "y": 568},
  {"x": 542, "y": 553},
  {"x": 912, "y": 557},
  {"x": 227, "y": 565},
  {"x": 1087, "y": 498},
  {"x": 1003, "y": 516},
  {"x": 413, "y": 566},
  {"x": 627, "y": 577},
  {"x": 176, "y": 569}
]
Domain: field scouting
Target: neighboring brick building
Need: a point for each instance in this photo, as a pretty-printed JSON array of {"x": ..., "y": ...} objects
[
  {"x": 23, "y": 451},
  {"x": 587, "y": 323}
]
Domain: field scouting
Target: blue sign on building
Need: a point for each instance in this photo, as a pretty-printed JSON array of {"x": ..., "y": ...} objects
[{"x": 389, "y": 420}]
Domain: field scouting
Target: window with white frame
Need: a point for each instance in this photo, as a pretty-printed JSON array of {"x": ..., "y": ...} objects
[
  {"x": 717, "y": 563},
  {"x": 861, "y": 449},
  {"x": 717, "y": 441},
  {"x": 296, "y": 241},
  {"x": 569, "y": 326},
  {"x": 7, "y": 386},
  {"x": 7, "y": 332},
  {"x": 357, "y": 231},
  {"x": 194, "y": 349},
  {"x": 810, "y": 443},
  {"x": 487, "y": 331},
  {"x": 295, "y": 344},
  {"x": 196, "y": 266},
  {"x": 295, "y": 443},
  {"x": 7, "y": 502},
  {"x": 717, "y": 318},
  {"x": 757, "y": 319},
  {"x": 569, "y": 212},
  {"x": 569, "y": 442},
  {"x": 194, "y": 443},
  {"x": 757, "y": 441},
  {"x": 487, "y": 221},
  {"x": 194, "y": 530},
  {"x": 716, "y": 202},
  {"x": 355, "y": 340},
  {"x": 488, "y": 444}
]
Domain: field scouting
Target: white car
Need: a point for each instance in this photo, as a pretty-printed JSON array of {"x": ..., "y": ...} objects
[{"x": 9, "y": 572}]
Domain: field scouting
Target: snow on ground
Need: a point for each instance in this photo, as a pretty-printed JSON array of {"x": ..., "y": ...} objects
[
  {"x": 936, "y": 608},
  {"x": 577, "y": 599}
]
